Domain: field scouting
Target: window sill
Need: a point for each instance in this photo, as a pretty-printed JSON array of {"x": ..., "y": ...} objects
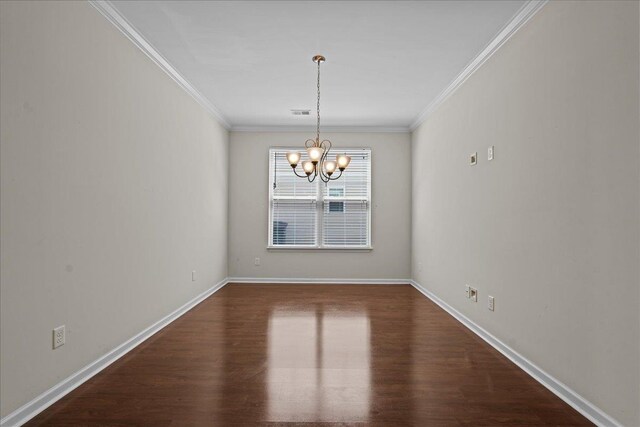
[{"x": 315, "y": 248}]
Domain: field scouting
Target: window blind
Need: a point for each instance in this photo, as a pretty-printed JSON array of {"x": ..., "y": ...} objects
[
  {"x": 332, "y": 215},
  {"x": 345, "y": 216},
  {"x": 293, "y": 205}
]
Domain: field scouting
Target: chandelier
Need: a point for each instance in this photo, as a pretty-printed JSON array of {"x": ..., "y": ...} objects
[{"x": 318, "y": 151}]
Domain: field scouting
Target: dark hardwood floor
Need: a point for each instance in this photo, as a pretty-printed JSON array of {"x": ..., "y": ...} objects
[{"x": 286, "y": 354}]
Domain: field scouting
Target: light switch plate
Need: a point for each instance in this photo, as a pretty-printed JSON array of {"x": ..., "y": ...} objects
[
  {"x": 490, "y": 153},
  {"x": 491, "y": 305},
  {"x": 473, "y": 158}
]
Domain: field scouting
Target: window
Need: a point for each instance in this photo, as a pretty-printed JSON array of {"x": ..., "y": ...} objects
[
  {"x": 318, "y": 215},
  {"x": 336, "y": 206}
]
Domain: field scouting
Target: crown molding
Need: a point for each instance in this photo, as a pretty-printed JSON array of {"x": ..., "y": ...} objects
[
  {"x": 345, "y": 129},
  {"x": 108, "y": 11},
  {"x": 526, "y": 12},
  {"x": 120, "y": 22}
]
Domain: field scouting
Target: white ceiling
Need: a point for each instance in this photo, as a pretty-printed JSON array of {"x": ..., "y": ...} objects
[{"x": 386, "y": 60}]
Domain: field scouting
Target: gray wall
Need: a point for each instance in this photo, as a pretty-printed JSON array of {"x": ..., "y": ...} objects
[
  {"x": 249, "y": 204},
  {"x": 114, "y": 188},
  {"x": 551, "y": 226}
]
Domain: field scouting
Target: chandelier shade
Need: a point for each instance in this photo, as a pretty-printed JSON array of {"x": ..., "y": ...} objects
[
  {"x": 293, "y": 157},
  {"x": 315, "y": 153},
  {"x": 330, "y": 167},
  {"x": 343, "y": 161},
  {"x": 308, "y": 167}
]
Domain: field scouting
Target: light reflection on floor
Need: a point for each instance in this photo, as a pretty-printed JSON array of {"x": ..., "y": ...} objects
[{"x": 318, "y": 364}]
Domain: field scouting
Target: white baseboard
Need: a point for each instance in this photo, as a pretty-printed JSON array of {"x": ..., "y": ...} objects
[
  {"x": 55, "y": 393},
  {"x": 318, "y": 281},
  {"x": 579, "y": 403}
]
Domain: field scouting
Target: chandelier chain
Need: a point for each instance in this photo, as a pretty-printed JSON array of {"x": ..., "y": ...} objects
[{"x": 318, "y": 106}]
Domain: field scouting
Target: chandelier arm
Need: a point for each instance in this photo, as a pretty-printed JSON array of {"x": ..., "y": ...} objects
[
  {"x": 338, "y": 176},
  {"x": 326, "y": 145},
  {"x": 324, "y": 176},
  {"x": 295, "y": 171},
  {"x": 307, "y": 145}
]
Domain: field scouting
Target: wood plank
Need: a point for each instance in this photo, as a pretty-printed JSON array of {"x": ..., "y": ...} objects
[{"x": 319, "y": 354}]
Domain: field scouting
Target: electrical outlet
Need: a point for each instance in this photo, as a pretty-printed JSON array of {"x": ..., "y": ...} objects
[
  {"x": 58, "y": 336},
  {"x": 491, "y": 304},
  {"x": 473, "y": 158},
  {"x": 256, "y": 261},
  {"x": 467, "y": 290},
  {"x": 473, "y": 294},
  {"x": 193, "y": 276},
  {"x": 490, "y": 153}
]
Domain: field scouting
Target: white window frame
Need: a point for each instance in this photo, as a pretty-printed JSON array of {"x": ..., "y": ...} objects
[{"x": 319, "y": 205}]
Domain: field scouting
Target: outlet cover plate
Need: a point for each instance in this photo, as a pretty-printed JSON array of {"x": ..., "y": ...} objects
[{"x": 59, "y": 336}]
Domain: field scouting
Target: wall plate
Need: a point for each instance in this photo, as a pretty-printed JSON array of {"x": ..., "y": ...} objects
[
  {"x": 473, "y": 294},
  {"x": 59, "y": 336},
  {"x": 473, "y": 158}
]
